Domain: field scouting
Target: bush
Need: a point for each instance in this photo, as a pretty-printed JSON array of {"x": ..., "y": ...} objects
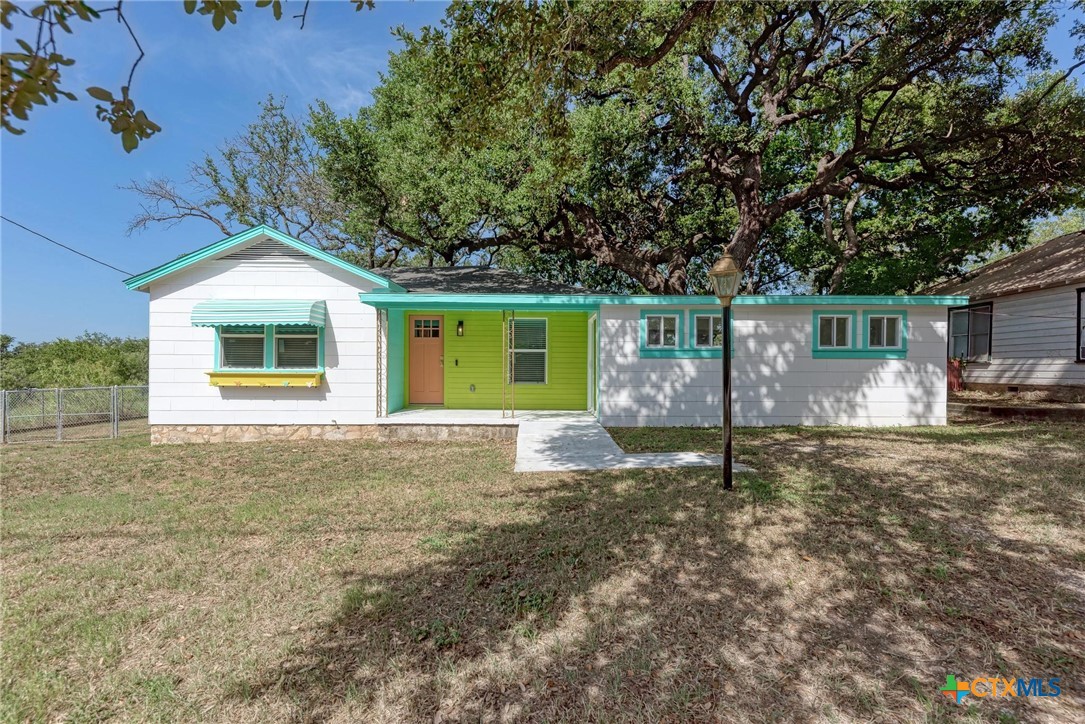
[{"x": 90, "y": 360}]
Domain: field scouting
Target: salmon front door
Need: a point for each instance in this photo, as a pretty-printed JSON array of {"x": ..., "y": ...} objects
[{"x": 427, "y": 352}]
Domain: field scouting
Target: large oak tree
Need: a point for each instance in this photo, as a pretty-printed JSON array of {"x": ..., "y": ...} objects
[{"x": 843, "y": 142}]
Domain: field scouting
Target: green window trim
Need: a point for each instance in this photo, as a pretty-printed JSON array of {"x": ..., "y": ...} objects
[
  {"x": 679, "y": 331},
  {"x": 898, "y": 352},
  {"x": 686, "y": 349},
  {"x": 270, "y": 333},
  {"x": 859, "y": 347}
]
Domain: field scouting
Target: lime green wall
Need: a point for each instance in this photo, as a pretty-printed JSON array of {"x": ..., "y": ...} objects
[{"x": 475, "y": 359}]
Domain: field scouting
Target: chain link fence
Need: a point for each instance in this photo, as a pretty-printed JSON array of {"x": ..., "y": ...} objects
[{"x": 73, "y": 413}]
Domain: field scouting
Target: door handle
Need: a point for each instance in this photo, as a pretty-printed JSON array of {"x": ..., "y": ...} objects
[{"x": 442, "y": 360}]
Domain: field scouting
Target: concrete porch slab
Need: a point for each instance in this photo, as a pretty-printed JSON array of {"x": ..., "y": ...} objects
[{"x": 441, "y": 416}]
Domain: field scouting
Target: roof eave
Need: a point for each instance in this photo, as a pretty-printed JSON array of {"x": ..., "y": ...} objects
[
  {"x": 141, "y": 282},
  {"x": 572, "y": 302}
]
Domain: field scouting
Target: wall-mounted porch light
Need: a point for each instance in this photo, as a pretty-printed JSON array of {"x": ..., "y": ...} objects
[{"x": 459, "y": 328}]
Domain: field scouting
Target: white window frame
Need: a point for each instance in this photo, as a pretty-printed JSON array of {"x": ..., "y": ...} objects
[
  {"x": 223, "y": 336},
  {"x": 900, "y": 331},
  {"x": 677, "y": 331},
  {"x": 715, "y": 320},
  {"x": 849, "y": 333},
  {"x": 545, "y": 350},
  {"x": 275, "y": 349}
]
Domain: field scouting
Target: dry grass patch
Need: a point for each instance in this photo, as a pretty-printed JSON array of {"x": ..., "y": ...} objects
[{"x": 368, "y": 581}]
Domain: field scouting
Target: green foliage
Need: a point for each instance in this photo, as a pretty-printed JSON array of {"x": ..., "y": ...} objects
[
  {"x": 846, "y": 147},
  {"x": 1067, "y": 222},
  {"x": 92, "y": 359}
]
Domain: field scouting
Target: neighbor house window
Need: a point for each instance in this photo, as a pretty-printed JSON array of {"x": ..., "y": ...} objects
[
  {"x": 661, "y": 331},
  {"x": 527, "y": 347},
  {"x": 884, "y": 332},
  {"x": 296, "y": 348},
  {"x": 241, "y": 348},
  {"x": 707, "y": 330},
  {"x": 834, "y": 332},
  {"x": 970, "y": 332},
  {"x": 1081, "y": 325}
]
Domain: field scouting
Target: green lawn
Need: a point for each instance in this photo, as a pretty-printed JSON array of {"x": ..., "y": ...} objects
[{"x": 373, "y": 581}]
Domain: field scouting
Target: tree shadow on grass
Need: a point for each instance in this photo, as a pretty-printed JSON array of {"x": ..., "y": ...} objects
[{"x": 824, "y": 587}]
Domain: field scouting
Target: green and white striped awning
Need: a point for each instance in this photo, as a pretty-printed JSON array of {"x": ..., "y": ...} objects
[{"x": 236, "y": 312}]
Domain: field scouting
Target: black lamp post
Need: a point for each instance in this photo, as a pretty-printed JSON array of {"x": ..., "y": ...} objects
[{"x": 725, "y": 277}]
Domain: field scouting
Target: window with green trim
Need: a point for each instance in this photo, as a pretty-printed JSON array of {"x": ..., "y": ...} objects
[
  {"x": 884, "y": 332},
  {"x": 834, "y": 332},
  {"x": 707, "y": 330},
  {"x": 268, "y": 347},
  {"x": 661, "y": 331},
  {"x": 241, "y": 348},
  {"x": 296, "y": 348}
]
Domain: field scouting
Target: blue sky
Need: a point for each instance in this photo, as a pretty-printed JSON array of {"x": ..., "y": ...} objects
[{"x": 202, "y": 87}]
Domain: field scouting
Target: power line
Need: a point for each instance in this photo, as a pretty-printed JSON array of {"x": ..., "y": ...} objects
[{"x": 65, "y": 246}]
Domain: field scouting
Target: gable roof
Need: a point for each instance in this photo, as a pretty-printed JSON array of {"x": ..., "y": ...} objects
[
  {"x": 141, "y": 282},
  {"x": 1054, "y": 263},
  {"x": 474, "y": 280}
]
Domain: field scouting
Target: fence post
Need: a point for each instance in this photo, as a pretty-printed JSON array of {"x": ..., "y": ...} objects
[
  {"x": 115, "y": 412},
  {"x": 60, "y": 414},
  {"x": 3, "y": 416}
]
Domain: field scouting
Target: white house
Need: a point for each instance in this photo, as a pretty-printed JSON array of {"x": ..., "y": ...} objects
[
  {"x": 262, "y": 336},
  {"x": 1024, "y": 324}
]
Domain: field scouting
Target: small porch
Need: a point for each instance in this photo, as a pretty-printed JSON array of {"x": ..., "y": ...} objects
[{"x": 437, "y": 365}]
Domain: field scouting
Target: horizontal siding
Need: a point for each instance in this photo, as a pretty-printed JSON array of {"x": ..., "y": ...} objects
[
  {"x": 776, "y": 380},
  {"x": 1032, "y": 341},
  {"x": 181, "y": 355}
]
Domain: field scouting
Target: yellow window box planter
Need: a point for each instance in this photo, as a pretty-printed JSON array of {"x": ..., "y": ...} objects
[{"x": 265, "y": 379}]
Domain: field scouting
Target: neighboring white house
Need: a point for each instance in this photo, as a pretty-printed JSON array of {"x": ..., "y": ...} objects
[
  {"x": 262, "y": 336},
  {"x": 1024, "y": 325}
]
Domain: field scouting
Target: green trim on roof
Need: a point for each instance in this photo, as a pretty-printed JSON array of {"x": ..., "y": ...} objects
[
  {"x": 239, "y": 312},
  {"x": 140, "y": 281},
  {"x": 577, "y": 302}
]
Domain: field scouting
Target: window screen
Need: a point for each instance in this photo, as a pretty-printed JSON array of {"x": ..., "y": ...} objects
[
  {"x": 242, "y": 351},
  {"x": 527, "y": 344},
  {"x": 834, "y": 332}
]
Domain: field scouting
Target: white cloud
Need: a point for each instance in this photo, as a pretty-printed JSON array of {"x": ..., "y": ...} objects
[{"x": 315, "y": 63}]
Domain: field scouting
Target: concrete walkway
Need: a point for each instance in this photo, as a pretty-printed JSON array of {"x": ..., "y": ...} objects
[{"x": 558, "y": 445}]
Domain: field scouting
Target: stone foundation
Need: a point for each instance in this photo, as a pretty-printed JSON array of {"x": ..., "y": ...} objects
[
  {"x": 447, "y": 432},
  {"x": 180, "y": 434},
  {"x": 183, "y": 434}
]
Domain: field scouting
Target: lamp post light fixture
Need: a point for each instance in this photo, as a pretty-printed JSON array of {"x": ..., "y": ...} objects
[{"x": 725, "y": 277}]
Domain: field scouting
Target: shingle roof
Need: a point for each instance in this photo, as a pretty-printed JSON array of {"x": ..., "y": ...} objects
[
  {"x": 472, "y": 280},
  {"x": 1053, "y": 263}
]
